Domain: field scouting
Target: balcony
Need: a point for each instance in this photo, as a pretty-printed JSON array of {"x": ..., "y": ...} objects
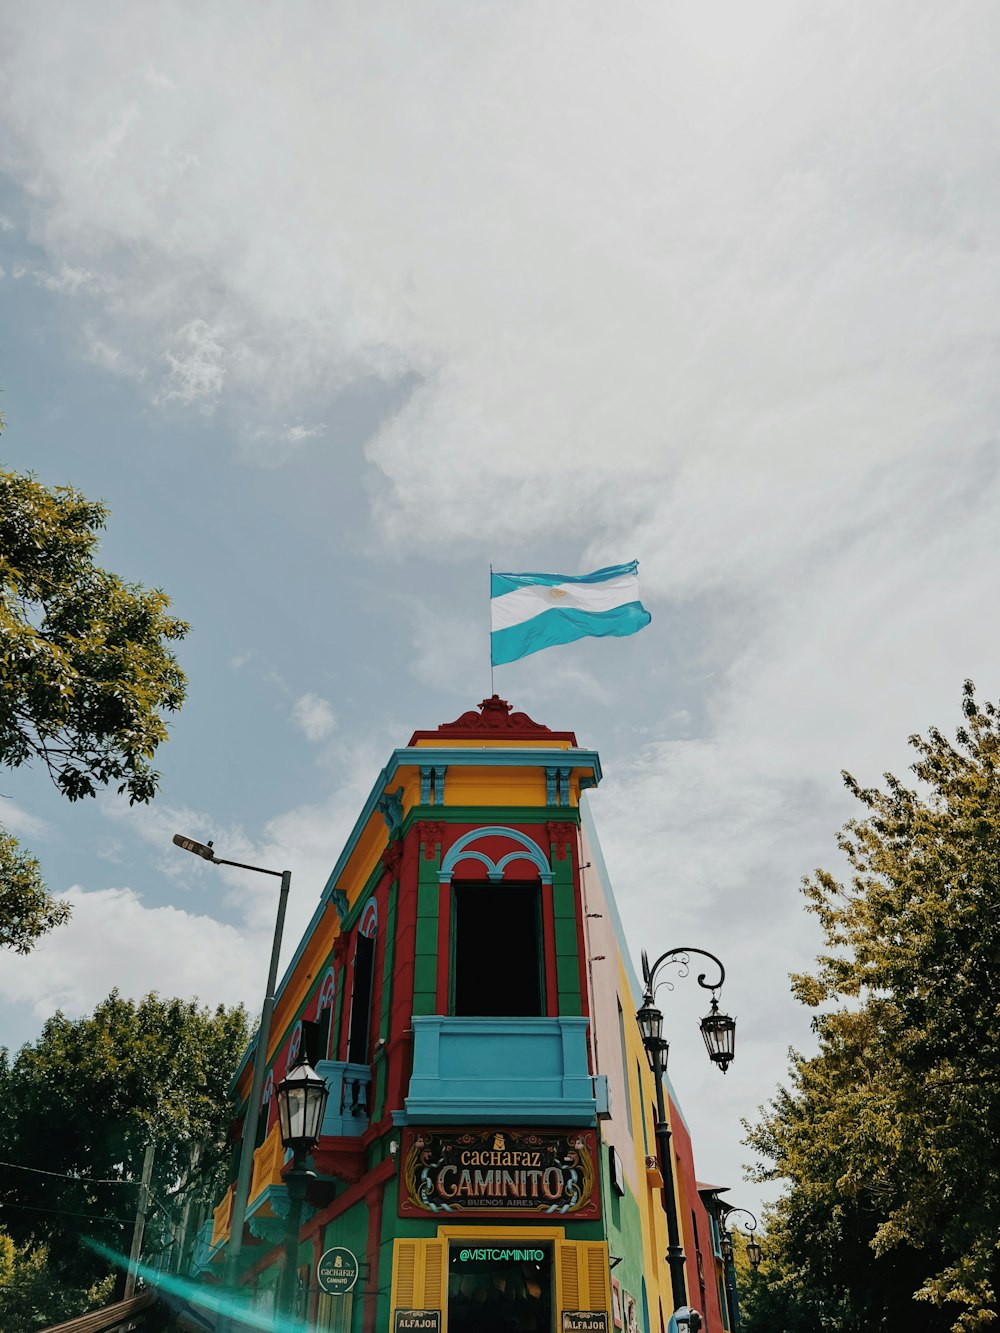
[
  {"x": 527, "y": 1071},
  {"x": 221, "y": 1218},
  {"x": 202, "y": 1253},
  {"x": 349, "y": 1104}
]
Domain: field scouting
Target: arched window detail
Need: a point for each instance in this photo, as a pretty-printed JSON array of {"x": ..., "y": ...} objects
[
  {"x": 369, "y": 920},
  {"x": 328, "y": 992},
  {"x": 294, "y": 1047},
  {"x": 527, "y": 850},
  {"x": 324, "y": 1015}
]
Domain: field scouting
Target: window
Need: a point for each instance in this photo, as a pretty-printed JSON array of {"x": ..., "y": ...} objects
[
  {"x": 497, "y": 950},
  {"x": 361, "y": 994},
  {"x": 361, "y": 1001},
  {"x": 265, "y": 1110},
  {"x": 324, "y": 1017}
]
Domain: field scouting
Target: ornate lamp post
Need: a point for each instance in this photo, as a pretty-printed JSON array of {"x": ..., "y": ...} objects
[
  {"x": 753, "y": 1255},
  {"x": 301, "y": 1098},
  {"x": 719, "y": 1032},
  {"x": 242, "y": 1194}
]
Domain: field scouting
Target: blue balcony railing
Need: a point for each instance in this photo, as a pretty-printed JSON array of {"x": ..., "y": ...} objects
[
  {"x": 349, "y": 1106},
  {"x": 515, "y": 1070}
]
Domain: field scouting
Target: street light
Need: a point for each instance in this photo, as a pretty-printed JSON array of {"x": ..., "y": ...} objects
[
  {"x": 242, "y": 1195},
  {"x": 301, "y": 1098},
  {"x": 753, "y": 1253},
  {"x": 719, "y": 1032}
]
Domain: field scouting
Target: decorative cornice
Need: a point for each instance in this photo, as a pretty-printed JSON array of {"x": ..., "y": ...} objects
[
  {"x": 493, "y": 718},
  {"x": 392, "y": 859},
  {"x": 430, "y": 832},
  {"x": 558, "y": 833}
]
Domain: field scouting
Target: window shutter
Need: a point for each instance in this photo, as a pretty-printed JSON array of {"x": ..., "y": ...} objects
[
  {"x": 435, "y": 1274},
  {"x": 420, "y": 1274},
  {"x": 404, "y": 1274},
  {"x": 568, "y": 1275},
  {"x": 595, "y": 1257}
]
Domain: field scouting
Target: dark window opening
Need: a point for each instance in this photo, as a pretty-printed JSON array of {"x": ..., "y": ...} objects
[
  {"x": 494, "y": 1290},
  {"x": 497, "y": 950},
  {"x": 314, "y": 1036},
  {"x": 361, "y": 1001}
]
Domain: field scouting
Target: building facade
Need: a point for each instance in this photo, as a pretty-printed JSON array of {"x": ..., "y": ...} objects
[{"x": 488, "y": 1154}]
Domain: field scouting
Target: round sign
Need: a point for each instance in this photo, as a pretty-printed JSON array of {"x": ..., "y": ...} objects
[{"x": 337, "y": 1271}]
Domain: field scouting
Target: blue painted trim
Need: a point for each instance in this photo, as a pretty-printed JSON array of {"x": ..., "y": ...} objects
[
  {"x": 425, "y": 784},
  {"x": 416, "y": 756},
  {"x": 530, "y": 852},
  {"x": 565, "y": 624},
  {"x": 501, "y": 583},
  {"x": 551, "y": 776}
]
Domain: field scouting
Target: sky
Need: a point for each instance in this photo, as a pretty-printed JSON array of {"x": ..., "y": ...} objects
[{"x": 336, "y": 304}]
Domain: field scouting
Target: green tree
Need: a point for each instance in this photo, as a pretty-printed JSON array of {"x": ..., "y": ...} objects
[
  {"x": 86, "y": 673},
  {"x": 77, "y": 1109},
  {"x": 889, "y": 1136},
  {"x": 31, "y": 1296}
]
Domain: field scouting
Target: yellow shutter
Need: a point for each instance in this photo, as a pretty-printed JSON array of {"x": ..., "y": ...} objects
[
  {"x": 568, "y": 1291},
  {"x": 405, "y": 1264},
  {"x": 435, "y": 1274},
  {"x": 595, "y": 1260},
  {"x": 419, "y": 1274},
  {"x": 583, "y": 1281}
]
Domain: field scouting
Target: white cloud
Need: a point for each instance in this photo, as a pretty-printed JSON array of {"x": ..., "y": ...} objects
[
  {"x": 197, "y": 360},
  {"x": 22, "y": 823},
  {"x": 714, "y": 286},
  {"x": 113, "y": 939},
  {"x": 297, "y": 434},
  {"x": 314, "y": 717}
]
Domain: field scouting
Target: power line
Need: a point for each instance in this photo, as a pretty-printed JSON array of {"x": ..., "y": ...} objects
[
  {"x": 60, "y": 1175},
  {"x": 65, "y": 1212}
]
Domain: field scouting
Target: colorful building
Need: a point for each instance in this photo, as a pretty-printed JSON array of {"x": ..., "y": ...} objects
[{"x": 487, "y": 1158}]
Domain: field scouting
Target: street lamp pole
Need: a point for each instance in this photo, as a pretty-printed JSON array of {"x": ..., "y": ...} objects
[
  {"x": 729, "y": 1265},
  {"x": 719, "y": 1032},
  {"x": 302, "y": 1097},
  {"x": 242, "y": 1195},
  {"x": 675, "y": 1251}
]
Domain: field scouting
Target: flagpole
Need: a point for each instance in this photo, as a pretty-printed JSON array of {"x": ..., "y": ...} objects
[{"x": 492, "y": 690}]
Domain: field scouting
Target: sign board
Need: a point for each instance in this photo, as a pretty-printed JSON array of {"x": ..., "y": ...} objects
[
  {"x": 417, "y": 1321},
  {"x": 584, "y": 1321},
  {"x": 518, "y": 1172},
  {"x": 337, "y": 1271}
]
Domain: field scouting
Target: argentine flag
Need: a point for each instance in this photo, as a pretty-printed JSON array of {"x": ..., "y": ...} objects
[{"x": 534, "y": 611}]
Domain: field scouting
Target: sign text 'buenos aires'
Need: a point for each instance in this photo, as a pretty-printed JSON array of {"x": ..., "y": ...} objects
[{"x": 525, "y": 1171}]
